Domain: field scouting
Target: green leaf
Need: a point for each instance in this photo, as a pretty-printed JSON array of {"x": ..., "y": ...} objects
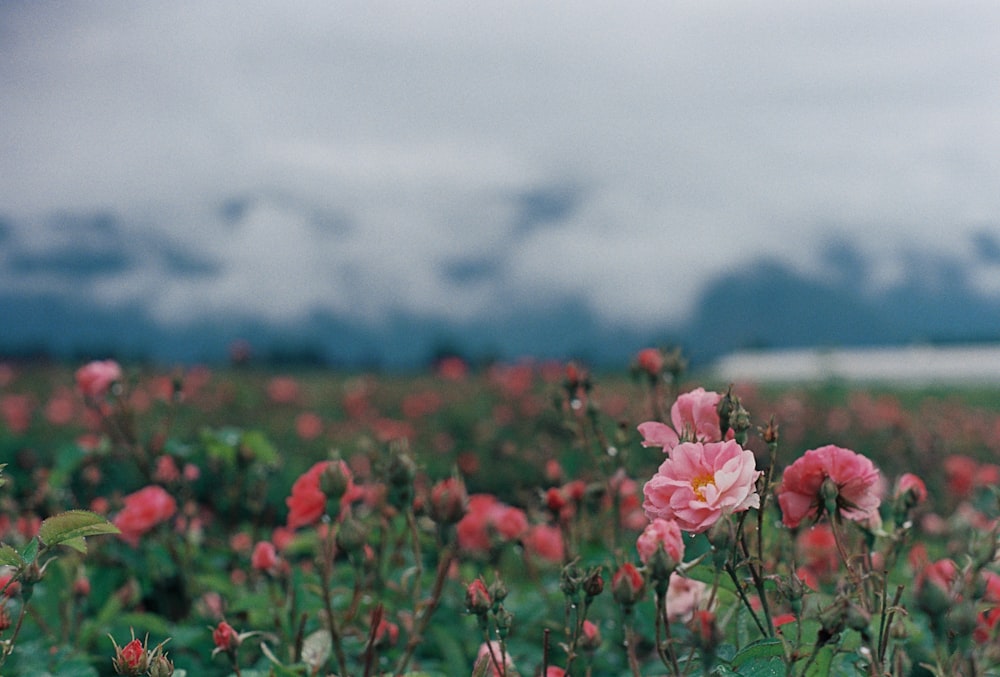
[
  {"x": 69, "y": 528},
  {"x": 759, "y": 651},
  {"x": 260, "y": 447},
  {"x": 769, "y": 667},
  {"x": 10, "y": 557},
  {"x": 821, "y": 665},
  {"x": 30, "y": 551}
]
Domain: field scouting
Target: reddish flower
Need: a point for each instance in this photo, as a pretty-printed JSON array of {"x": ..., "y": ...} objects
[
  {"x": 477, "y": 597},
  {"x": 986, "y": 625},
  {"x": 661, "y": 533},
  {"x": 498, "y": 657},
  {"x": 827, "y": 474},
  {"x": 16, "y": 411},
  {"x": 546, "y": 542},
  {"x": 486, "y": 518},
  {"x": 699, "y": 483},
  {"x": 554, "y": 671},
  {"x": 627, "y": 585},
  {"x": 448, "y": 500},
  {"x": 960, "y": 473},
  {"x": 910, "y": 485},
  {"x": 590, "y": 638},
  {"x": 386, "y": 634},
  {"x": 131, "y": 659},
  {"x": 144, "y": 509},
  {"x": 94, "y": 379},
  {"x": 264, "y": 557},
  {"x": 225, "y": 637},
  {"x": 650, "y": 360},
  {"x": 816, "y": 548},
  {"x": 308, "y": 425},
  {"x": 308, "y": 502}
]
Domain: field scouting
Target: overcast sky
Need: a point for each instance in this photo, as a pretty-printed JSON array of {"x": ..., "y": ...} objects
[{"x": 454, "y": 157}]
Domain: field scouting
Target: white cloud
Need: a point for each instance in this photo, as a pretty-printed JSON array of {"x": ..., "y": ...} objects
[{"x": 700, "y": 136}]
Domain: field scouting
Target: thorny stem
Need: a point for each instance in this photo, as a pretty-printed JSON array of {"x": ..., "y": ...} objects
[
  {"x": 411, "y": 522},
  {"x": 633, "y": 662},
  {"x": 835, "y": 524},
  {"x": 888, "y": 615},
  {"x": 326, "y": 572},
  {"x": 665, "y": 648},
  {"x": 743, "y": 597},
  {"x": 427, "y": 611}
]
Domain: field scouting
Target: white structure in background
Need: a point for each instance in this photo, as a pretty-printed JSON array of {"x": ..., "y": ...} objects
[{"x": 911, "y": 364}]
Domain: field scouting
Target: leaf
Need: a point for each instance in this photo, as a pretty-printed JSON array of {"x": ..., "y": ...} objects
[
  {"x": 260, "y": 447},
  {"x": 759, "y": 651},
  {"x": 30, "y": 551},
  {"x": 821, "y": 665},
  {"x": 10, "y": 557},
  {"x": 316, "y": 649},
  {"x": 69, "y": 528},
  {"x": 769, "y": 667}
]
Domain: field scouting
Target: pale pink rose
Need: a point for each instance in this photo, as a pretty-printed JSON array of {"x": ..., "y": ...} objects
[
  {"x": 498, "y": 658},
  {"x": 695, "y": 416},
  {"x": 94, "y": 379},
  {"x": 656, "y": 434},
  {"x": 661, "y": 533},
  {"x": 854, "y": 476},
  {"x": 700, "y": 483},
  {"x": 684, "y": 597}
]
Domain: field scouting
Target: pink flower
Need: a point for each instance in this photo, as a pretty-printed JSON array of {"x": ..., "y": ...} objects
[
  {"x": 486, "y": 517},
  {"x": 695, "y": 415},
  {"x": 546, "y": 542},
  {"x": 656, "y": 434},
  {"x": 684, "y": 597},
  {"x": 650, "y": 360},
  {"x": 308, "y": 502},
  {"x": 94, "y": 379},
  {"x": 850, "y": 479},
  {"x": 661, "y": 533},
  {"x": 497, "y": 658},
  {"x": 700, "y": 483},
  {"x": 264, "y": 557},
  {"x": 143, "y": 510}
]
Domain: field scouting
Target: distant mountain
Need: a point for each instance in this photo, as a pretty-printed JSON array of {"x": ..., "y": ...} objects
[{"x": 766, "y": 303}]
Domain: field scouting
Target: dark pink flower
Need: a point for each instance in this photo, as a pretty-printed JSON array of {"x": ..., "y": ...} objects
[
  {"x": 546, "y": 542},
  {"x": 144, "y": 509},
  {"x": 661, "y": 533},
  {"x": 650, "y": 361},
  {"x": 264, "y": 557},
  {"x": 94, "y": 379},
  {"x": 308, "y": 502},
  {"x": 850, "y": 479},
  {"x": 699, "y": 483}
]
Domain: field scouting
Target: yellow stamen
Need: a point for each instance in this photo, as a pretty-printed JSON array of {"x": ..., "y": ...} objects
[{"x": 700, "y": 481}]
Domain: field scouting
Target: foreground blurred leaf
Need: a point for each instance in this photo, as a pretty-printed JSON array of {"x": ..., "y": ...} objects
[
  {"x": 70, "y": 528},
  {"x": 316, "y": 649},
  {"x": 758, "y": 652}
]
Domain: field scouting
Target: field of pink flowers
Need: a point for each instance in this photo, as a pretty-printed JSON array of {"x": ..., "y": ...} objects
[{"x": 520, "y": 519}]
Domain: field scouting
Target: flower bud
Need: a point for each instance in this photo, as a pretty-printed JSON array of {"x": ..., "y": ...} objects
[
  {"x": 352, "y": 535},
  {"x": 334, "y": 482},
  {"x": 570, "y": 579},
  {"x": 448, "y": 500},
  {"x": 131, "y": 659},
  {"x": 590, "y": 637},
  {"x": 705, "y": 632},
  {"x": 830, "y": 493},
  {"x": 225, "y": 638},
  {"x": 627, "y": 585},
  {"x": 505, "y": 619},
  {"x": 477, "y": 598},
  {"x": 402, "y": 470},
  {"x": 593, "y": 582},
  {"x": 161, "y": 667},
  {"x": 497, "y": 591}
]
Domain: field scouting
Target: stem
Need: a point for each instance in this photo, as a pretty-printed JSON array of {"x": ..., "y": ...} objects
[
  {"x": 428, "y": 610},
  {"x": 329, "y": 546},
  {"x": 665, "y": 648},
  {"x": 835, "y": 525},
  {"x": 743, "y": 597}
]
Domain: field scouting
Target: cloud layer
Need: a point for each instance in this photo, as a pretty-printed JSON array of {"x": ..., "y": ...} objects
[{"x": 459, "y": 159}]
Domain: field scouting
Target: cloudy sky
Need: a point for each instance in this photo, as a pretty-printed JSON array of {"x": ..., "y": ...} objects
[{"x": 452, "y": 158}]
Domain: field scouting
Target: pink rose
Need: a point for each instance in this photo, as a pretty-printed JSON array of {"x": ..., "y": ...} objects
[
  {"x": 853, "y": 477},
  {"x": 684, "y": 597},
  {"x": 546, "y": 542},
  {"x": 308, "y": 502},
  {"x": 143, "y": 510},
  {"x": 94, "y": 379},
  {"x": 650, "y": 360},
  {"x": 486, "y": 517},
  {"x": 656, "y": 434},
  {"x": 661, "y": 533},
  {"x": 695, "y": 416},
  {"x": 700, "y": 483},
  {"x": 264, "y": 557}
]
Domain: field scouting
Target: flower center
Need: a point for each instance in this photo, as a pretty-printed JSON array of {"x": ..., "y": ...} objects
[{"x": 699, "y": 482}]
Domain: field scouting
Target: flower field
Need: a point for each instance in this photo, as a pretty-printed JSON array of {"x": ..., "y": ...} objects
[{"x": 523, "y": 519}]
